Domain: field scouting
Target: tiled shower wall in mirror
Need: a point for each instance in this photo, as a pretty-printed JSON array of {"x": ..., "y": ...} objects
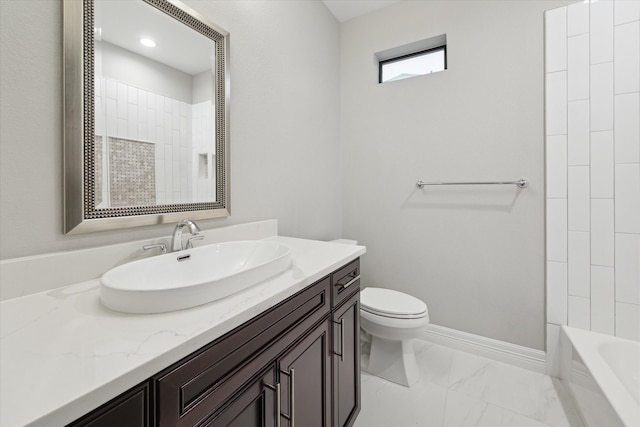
[
  {"x": 182, "y": 136},
  {"x": 592, "y": 60}
]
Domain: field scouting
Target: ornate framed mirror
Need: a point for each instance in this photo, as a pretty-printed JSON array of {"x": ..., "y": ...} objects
[{"x": 146, "y": 115}]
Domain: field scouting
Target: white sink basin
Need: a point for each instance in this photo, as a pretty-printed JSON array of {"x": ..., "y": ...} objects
[{"x": 207, "y": 273}]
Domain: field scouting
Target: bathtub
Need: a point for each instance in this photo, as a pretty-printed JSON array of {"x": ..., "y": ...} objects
[{"x": 602, "y": 374}]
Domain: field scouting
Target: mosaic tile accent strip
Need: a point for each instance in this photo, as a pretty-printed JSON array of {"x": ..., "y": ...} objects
[{"x": 132, "y": 169}]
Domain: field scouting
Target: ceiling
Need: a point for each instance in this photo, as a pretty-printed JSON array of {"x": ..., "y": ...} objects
[
  {"x": 120, "y": 24},
  {"x": 345, "y": 10},
  {"x": 124, "y": 23}
]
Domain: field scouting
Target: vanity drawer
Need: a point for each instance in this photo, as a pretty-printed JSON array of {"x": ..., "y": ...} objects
[
  {"x": 199, "y": 384},
  {"x": 345, "y": 281}
]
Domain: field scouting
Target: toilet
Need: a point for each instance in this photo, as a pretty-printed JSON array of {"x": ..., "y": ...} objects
[{"x": 393, "y": 320}]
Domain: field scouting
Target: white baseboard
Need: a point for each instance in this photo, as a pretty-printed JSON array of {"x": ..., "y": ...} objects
[{"x": 501, "y": 351}]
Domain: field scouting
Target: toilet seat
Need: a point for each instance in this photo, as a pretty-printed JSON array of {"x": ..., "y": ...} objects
[{"x": 392, "y": 304}]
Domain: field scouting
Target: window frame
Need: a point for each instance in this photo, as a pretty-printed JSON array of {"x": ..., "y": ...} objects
[{"x": 411, "y": 55}]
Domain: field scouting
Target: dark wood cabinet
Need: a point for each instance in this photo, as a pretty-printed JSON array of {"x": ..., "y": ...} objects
[
  {"x": 346, "y": 362},
  {"x": 305, "y": 380},
  {"x": 255, "y": 405},
  {"x": 196, "y": 387},
  {"x": 130, "y": 409},
  {"x": 296, "y": 388},
  {"x": 298, "y": 360}
]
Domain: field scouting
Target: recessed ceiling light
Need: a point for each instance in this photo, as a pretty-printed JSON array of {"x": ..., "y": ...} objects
[{"x": 148, "y": 42}]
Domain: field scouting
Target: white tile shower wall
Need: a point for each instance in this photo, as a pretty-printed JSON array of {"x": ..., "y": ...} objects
[
  {"x": 555, "y": 40},
  {"x": 593, "y": 67},
  {"x": 627, "y": 268},
  {"x": 578, "y": 20},
  {"x": 578, "y": 193},
  {"x": 578, "y": 133},
  {"x": 601, "y": 96},
  {"x": 557, "y": 167},
  {"x": 132, "y": 113},
  {"x": 627, "y": 128},
  {"x": 557, "y": 292},
  {"x": 602, "y": 164},
  {"x": 579, "y": 256},
  {"x": 578, "y": 68},
  {"x": 601, "y": 32},
  {"x": 602, "y": 300},
  {"x": 203, "y": 131}
]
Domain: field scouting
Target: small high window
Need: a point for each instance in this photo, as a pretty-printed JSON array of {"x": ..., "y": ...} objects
[
  {"x": 415, "y": 64},
  {"x": 415, "y": 59}
]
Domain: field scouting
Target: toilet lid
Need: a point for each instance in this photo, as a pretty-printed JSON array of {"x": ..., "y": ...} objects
[{"x": 390, "y": 303}]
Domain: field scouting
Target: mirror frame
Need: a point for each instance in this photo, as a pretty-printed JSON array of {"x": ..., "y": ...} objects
[{"x": 80, "y": 213}]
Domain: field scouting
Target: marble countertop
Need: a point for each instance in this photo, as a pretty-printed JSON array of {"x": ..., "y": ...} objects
[{"x": 62, "y": 354}]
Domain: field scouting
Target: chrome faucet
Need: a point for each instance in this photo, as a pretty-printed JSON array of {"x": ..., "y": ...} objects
[{"x": 176, "y": 242}]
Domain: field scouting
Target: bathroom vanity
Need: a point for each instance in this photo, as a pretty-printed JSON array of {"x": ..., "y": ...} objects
[
  {"x": 296, "y": 363},
  {"x": 282, "y": 353}
]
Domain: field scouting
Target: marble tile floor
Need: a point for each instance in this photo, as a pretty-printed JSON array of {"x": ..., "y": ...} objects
[{"x": 458, "y": 389}]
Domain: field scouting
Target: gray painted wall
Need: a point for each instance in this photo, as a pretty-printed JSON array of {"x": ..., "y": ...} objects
[
  {"x": 284, "y": 123},
  {"x": 202, "y": 87},
  {"x": 144, "y": 73},
  {"x": 475, "y": 255}
]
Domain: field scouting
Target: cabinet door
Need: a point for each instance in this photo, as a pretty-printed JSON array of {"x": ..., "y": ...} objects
[
  {"x": 305, "y": 378},
  {"x": 346, "y": 362},
  {"x": 130, "y": 409},
  {"x": 255, "y": 406},
  {"x": 196, "y": 387}
]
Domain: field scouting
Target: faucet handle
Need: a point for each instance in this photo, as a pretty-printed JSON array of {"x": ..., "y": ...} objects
[
  {"x": 162, "y": 246},
  {"x": 191, "y": 239}
]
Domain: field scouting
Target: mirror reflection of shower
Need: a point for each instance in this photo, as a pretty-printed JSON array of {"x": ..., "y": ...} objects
[{"x": 154, "y": 113}]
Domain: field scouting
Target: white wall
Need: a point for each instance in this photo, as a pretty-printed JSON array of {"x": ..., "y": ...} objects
[
  {"x": 284, "y": 123},
  {"x": 475, "y": 255},
  {"x": 593, "y": 168},
  {"x": 202, "y": 87},
  {"x": 142, "y": 72}
]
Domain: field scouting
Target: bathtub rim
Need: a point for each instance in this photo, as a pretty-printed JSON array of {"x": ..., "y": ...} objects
[{"x": 585, "y": 343}]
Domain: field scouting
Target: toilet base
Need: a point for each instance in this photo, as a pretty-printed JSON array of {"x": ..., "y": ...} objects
[{"x": 393, "y": 360}]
